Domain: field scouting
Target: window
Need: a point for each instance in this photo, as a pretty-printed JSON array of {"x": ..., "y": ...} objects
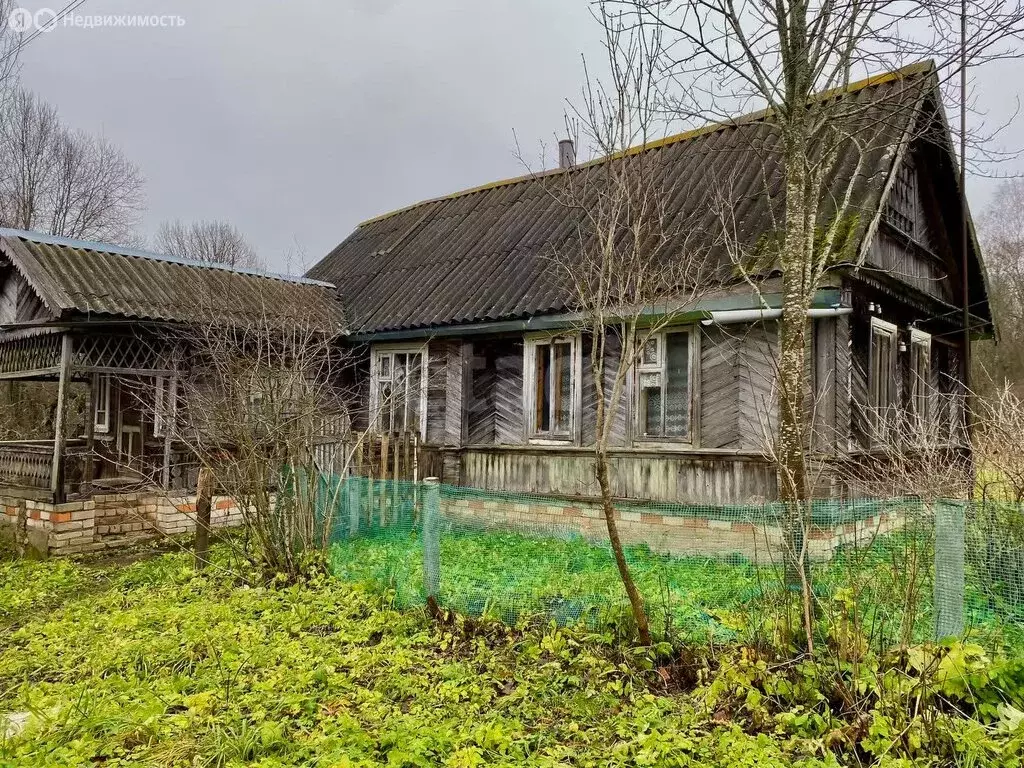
[
  {"x": 663, "y": 387},
  {"x": 101, "y": 395},
  {"x": 882, "y": 373},
  {"x": 164, "y": 405},
  {"x": 551, "y": 365},
  {"x": 920, "y": 374},
  {"x": 398, "y": 392},
  {"x": 901, "y": 208}
]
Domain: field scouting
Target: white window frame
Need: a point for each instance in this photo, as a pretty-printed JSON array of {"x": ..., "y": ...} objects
[
  {"x": 165, "y": 404},
  {"x": 377, "y": 352},
  {"x": 881, "y": 327},
  {"x": 530, "y": 344},
  {"x": 920, "y": 390},
  {"x": 101, "y": 404},
  {"x": 661, "y": 367}
]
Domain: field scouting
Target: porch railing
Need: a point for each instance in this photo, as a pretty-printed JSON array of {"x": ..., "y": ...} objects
[{"x": 29, "y": 463}]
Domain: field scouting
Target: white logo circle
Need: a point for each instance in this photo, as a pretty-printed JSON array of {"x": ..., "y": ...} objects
[
  {"x": 20, "y": 20},
  {"x": 43, "y": 17}
]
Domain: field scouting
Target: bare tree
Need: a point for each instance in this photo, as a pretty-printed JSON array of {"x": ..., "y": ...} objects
[
  {"x": 254, "y": 398},
  {"x": 1001, "y": 228},
  {"x": 798, "y": 58},
  {"x": 214, "y": 242},
  {"x": 61, "y": 181},
  {"x": 629, "y": 264}
]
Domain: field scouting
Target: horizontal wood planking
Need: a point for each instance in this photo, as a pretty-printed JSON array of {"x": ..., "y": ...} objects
[{"x": 683, "y": 477}]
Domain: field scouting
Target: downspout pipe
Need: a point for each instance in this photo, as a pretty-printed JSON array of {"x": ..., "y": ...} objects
[{"x": 731, "y": 316}]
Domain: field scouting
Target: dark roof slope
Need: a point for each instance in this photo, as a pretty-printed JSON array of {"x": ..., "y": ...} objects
[
  {"x": 485, "y": 253},
  {"x": 76, "y": 278}
]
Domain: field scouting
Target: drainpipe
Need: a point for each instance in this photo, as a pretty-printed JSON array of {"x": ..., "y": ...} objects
[{"x": 729, "y": 316}]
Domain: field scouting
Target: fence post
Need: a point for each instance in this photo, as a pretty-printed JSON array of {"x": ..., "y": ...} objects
[
  {"x": 353, "y": 489},
  {"x": 949, "y": 568},
  {"x": 432, "y": 537}
]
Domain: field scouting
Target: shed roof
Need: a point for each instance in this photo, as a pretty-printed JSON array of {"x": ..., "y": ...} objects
[
  {"x": 77, "y": 279},
  {"x": 484, "y": 254}
]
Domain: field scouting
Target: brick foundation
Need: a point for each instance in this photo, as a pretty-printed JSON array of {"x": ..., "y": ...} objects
[
  {"x": 671, "y": 534},
  {"x": 108, "y": 521}
]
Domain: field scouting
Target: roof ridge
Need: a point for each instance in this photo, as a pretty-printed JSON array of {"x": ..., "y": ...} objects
[
  {"x": 920, "y": 67},
  {"x": 140, "y": 253}
]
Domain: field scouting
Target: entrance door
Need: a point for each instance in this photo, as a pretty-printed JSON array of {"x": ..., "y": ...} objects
[{"x": 130, "y": 424}]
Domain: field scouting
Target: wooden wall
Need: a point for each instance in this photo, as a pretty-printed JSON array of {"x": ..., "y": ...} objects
[
  {"x": 697, "y": 478},
  {"x": 19, "y": 303}
]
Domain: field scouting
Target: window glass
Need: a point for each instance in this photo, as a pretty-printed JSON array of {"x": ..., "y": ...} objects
[
  {"x": 882, "y": 373},
  {"x": 553, "y": 387},
  {"x": 650, "y": 404},
  {"x": 398, "y": 389},
  {"x": 663, "y": 387},
  {"x": 920, "y": 374},
  {"x": 677, "y": 392},
  {"x": 561, "y": 369}
]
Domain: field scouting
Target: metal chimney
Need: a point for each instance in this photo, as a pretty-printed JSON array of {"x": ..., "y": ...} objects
[{"x": 566, "y": 153}]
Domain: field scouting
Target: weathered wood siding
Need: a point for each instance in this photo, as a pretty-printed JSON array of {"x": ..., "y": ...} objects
[
  {"x": 494, "y": 407},
  {"x": 913, "y": 265},
  {"x": 19, "y": 303},
  {"x": 757, "y": 388},
  {"x": 695, "y": 478},
  {"x": 719, "y": 388},
  {"x": 619, "y": 420},
  {"x": 444, "y": 392}
]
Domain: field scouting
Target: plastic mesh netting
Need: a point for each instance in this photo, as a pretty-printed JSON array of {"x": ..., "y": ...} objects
[{"x": 906, "y": 569}]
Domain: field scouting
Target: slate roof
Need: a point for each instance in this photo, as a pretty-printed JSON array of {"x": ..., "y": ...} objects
[
  {"x": 77, "y": 279},
  {"x": 484, "y": 254}
]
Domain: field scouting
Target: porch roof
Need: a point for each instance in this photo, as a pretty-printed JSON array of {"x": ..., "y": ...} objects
[{"x": 84, "y": 280}]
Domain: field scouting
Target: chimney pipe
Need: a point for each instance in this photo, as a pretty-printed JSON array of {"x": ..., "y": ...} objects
[{"x": 566, "y": 153}]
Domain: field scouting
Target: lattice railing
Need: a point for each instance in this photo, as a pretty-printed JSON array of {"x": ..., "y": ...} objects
[
  {"x": 128, "y": 353},
  {"x": 30, "y": 353}
]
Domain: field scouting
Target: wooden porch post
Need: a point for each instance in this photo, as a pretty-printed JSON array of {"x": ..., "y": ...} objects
[
  {"x": 90, "y": 432},
  {"x": 170, "y": 414},
  {"x": 57, "y": 468}
]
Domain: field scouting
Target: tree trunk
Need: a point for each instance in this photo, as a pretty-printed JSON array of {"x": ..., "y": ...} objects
[
  {"x": 800, "y": 274},
  {"x": 204, "y": 503},
  {"x": 792, "y": 432},
  {"x": 601, "y": 417},
  {"x": 636, "y": 601}
]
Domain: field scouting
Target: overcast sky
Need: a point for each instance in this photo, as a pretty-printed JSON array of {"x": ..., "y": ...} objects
[{"x": 297, "y": 120}]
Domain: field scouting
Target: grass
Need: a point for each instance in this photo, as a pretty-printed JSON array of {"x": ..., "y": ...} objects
[
  {"x": 162, "y": 668},
  {"x": 147, "y": 664},
  {"x": 514, "y": 577}
]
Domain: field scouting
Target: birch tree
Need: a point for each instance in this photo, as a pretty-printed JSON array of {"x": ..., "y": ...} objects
[{"x": 798, "y": 58}]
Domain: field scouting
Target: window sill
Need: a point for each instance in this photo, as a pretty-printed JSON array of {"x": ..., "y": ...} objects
[
  {"x": 551, "y": 441},
  {"x": 664, "y": 445}
]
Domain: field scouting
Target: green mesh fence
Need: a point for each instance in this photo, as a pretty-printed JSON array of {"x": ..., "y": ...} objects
[{"x": 906, "y": 570}]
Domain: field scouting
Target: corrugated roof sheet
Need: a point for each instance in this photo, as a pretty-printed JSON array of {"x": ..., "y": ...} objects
[
  {"x": 75, "y": 277},
  {"x": 485, "y": 253}
]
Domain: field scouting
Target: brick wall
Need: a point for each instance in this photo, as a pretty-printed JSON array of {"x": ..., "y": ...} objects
[
  {"x": 664, "y": 533},
  {"x": 108, "y": 521}
]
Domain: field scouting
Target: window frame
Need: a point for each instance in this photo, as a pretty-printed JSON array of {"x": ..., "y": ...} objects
[
  {"x": 101, "y": 393},
  {"x": 377, "y": 352},
  {"x": 661, "y": 367},
  {"x": 881, "y": 327},
  {"x": 922, "y": 396},
  {"x": 165, "y": 404},
  {"x": 530, "y": 344}
]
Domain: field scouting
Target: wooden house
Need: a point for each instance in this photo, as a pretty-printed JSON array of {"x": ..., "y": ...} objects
[
  {"x": 470, "y": 339},
  {"x": 102, "y": 319}
]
